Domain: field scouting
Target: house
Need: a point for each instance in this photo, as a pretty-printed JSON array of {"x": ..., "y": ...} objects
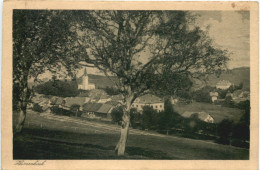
[
  {"x": 203, "y": 116},
  {"x": 174, "y": 99},
  {"x": 69, "y": 101},
  {"x": 98, "y": 109},
  {"x": 105, "y": 111},
  {"x": 240, "y": 95},
  {"x": 214, "y": 96},
  {"x": 103, "y": 98},
  {"x": 42, "y": 101},
  {"x": 223, "y": 84},
  {"x": 113, "y": 103},
  {"x": 149, "y": 100},
  {"x": 91, "y": 108},
  {"x": 57, "y": 101},
  {"x": 117, "y": 98},
  {"x": 83, "y": 82},
  {"x": 96, "y": 94}
]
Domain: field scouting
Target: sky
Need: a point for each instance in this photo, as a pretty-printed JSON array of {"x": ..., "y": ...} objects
[{"x": 228, "y": 29}]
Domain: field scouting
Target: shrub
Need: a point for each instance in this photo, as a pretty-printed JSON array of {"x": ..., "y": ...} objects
[{"x": 37, "y": 108}]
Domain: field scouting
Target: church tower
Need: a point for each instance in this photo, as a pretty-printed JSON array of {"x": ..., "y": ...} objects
[{"x": 85, "y": 80}]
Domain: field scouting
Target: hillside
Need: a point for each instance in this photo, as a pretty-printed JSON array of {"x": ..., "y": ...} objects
[
  {"x": 102, "y": 81},
  {"x": 235, "y": 76},
  {"x": 218, "y": 113}
]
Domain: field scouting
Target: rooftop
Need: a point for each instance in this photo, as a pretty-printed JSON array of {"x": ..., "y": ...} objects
[{"x": 149, "y": 99}]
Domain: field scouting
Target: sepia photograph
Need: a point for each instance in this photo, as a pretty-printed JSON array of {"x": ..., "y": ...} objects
[{"x": 111, "y": 84}]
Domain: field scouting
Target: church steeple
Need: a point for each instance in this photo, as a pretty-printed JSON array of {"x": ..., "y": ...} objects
[{"x": 85, "y": 72}]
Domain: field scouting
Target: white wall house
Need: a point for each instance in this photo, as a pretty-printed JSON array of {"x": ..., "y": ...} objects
[
  {"x": 83, "y": 82},
  {"x": 149, "y": 100},
  {"x": 214, "y": 96},
  {"x": 223, "y": 84}
]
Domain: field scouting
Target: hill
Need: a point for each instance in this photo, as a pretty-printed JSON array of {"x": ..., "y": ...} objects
[
  {"x": 102, "y": 81},
  {"x": 218, "y": 113},
  {"x": 235, "y": 76}
]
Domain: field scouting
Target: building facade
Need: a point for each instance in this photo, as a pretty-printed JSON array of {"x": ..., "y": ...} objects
[{"x": 149, "y": 100}]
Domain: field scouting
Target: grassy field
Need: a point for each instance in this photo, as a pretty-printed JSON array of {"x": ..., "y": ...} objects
[
  {"x": 60, "y": 137},
  {"x": 216, "y": 111}
]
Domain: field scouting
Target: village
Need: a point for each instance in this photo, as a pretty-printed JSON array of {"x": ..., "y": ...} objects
[
  {"x": 94, "y": 103},
  {"x": 130, "y": 84}
]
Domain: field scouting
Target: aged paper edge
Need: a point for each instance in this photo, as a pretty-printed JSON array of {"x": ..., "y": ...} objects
[{"x": 7, "y": 148}]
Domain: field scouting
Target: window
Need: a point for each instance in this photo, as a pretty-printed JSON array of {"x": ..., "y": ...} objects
[
  {"x": 156, "y": 107},
  {"x": 136, "y": 105},
  {"x": 160, "y": 106}
]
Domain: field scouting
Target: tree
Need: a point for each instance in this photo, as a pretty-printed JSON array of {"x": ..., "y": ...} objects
[
  {"x": 148, "y": 117},
  {"x": 168, "y": 118},
  {"x": 116, "y": 42},
  {"x": 146, "y": 50},
  {"x": 117, "y": 114},
  {"x": 224, "y": 130},
  {"x": 42, "y": 40},
  {"x": 58, "y": 88}
]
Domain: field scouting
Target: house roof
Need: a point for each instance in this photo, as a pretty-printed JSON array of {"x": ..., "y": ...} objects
[
  {"x": 59, "y": 101},
  {"x": 97, "y": 94},
  {"x": 117, "y": 97},
  {"x": 91, "y": 107},
  {"x": 213, "y": 93},
  {"x": 201, "y": 115},
  {"x": 148, "y": 99},
  {"x": 105, "y": 108},
  {"x": 113, "y": 103},
  {"x": 223, "y": 83},
  {"x": 69, "y": 101}
]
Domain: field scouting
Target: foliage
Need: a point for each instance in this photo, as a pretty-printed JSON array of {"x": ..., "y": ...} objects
[
  {"x": 203, "y": 95},
  {"x": 168, "y": 118},
  {"x": 224, "y": 131},
  {"x": 148, "y": 118},
  {"x": 42, "y": 40},
  {"x": 58, "y": 88},
  {"x": 135, "y": 118},
  {"x": 117, "y": 114},
  {"x": 111, "y": 91}
]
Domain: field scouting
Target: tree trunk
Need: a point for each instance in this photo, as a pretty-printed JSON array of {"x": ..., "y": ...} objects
[
  {"x": 120, "y": 147},
  {"x": 21, "y": 119},
  {"x": 24, "y": 96}
]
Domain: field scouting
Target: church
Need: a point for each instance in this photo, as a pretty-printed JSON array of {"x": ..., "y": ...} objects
[{"x": 83, "y": 82}]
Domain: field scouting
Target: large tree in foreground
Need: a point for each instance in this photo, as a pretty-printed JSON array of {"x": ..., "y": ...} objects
[{"x": 147, "y": 51}]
